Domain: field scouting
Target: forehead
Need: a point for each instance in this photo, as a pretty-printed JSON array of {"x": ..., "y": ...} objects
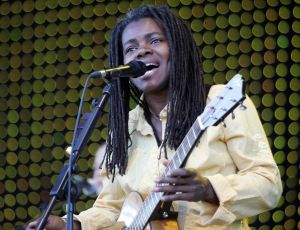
[{"x": 140, "y": 28}]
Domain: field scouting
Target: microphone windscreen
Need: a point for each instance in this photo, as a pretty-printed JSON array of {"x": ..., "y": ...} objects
[{"x": 137, "y": 69}]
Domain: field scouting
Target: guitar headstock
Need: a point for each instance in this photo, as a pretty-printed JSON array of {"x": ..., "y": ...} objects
[{"x": 229, "y": 98}]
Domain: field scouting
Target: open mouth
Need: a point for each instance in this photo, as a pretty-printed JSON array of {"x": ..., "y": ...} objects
[{"x": 151, "y": 66}]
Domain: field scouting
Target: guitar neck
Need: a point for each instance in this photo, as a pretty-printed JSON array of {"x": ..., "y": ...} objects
[{"x": 153, "y": 199}]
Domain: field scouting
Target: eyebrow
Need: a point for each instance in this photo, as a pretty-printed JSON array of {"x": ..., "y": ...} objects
[{"x": 147, "y": 36}]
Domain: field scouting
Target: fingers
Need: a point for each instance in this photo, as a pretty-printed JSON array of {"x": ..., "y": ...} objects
[
  {"x": 175, "y": 180},
  {"x": 179, "y": 196},
  {"x": 177, "y": 188},
  {"x": 178, "y": 176},
  {"x": 186, "y": 192},
  {"x": 181, "y": 173},
  {"x": 182, "y": 184},
  {"x": 186, "y": 174},
  {"x": 32, "y": 225},
  {"x": 52, "y": 223}
]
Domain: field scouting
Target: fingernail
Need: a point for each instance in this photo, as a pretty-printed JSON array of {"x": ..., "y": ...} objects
[{"x": 156, "y": 189}]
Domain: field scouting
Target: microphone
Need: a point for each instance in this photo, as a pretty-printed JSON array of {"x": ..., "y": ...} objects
[{"x": 132, "y": 69}]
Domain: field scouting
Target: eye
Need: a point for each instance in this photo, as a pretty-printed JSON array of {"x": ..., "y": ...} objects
[
  {"x": 130, "y": 49},
  {"x": 156, "y": 41}
]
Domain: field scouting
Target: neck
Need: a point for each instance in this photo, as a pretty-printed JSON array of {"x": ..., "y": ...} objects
[{"x": 157, "y": 102}]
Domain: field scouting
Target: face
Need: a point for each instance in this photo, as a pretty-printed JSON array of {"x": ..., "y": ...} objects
[{"x": 144, "y": 40}]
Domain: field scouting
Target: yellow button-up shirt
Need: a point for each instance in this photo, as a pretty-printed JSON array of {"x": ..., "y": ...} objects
[{"x": 235, "y": 158}]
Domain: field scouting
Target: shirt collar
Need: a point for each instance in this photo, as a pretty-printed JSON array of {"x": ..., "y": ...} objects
[{"x": 137, "y": 120}]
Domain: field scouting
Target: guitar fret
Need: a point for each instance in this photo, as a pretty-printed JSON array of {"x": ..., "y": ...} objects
[
  {"x": 173, "y": 166},
  {"x": 194, "y": 134},
  {"x": 151, "y": 200},
  {"x": 167, "y": 170},
  {"x": 190, "y": 138},
  {"x": 139, "y": 226},
  {"x": 173, "y": 163},
  {"x": 180, "y": 151},
  {"x": 188, "y": 141},
  {"x": 177, "y": 159},
  {"x": 144, "y": 214},
  {"x": 197, "y": 128},
  {"x": 133, "y": 226},
  {"x": 184, "y": 146},
  {"x": 180, "y": 157}
]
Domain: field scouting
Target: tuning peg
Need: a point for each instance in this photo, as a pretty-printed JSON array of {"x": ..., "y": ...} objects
[
  {"x": 224, "y": 124},
  {"x": 243, "y": 107}
]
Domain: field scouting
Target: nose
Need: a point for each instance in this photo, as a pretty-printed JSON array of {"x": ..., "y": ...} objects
[{"x": 143, "y": 51}]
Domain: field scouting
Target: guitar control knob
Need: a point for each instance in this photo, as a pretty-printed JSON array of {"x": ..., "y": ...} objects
[{"x": 165, "y": 215}]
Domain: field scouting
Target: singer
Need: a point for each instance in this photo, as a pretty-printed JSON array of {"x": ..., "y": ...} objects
[{"x": 230, "y": 173}]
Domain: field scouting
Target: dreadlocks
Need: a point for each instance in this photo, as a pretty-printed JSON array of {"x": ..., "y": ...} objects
[{"x": 186, "y": 88}]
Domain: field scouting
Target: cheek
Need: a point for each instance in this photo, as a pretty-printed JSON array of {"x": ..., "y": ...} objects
[
  {"x": 167, "y": 52},
  {"x": 126, "y": 58},
  {"x": 168, "y": 59}
]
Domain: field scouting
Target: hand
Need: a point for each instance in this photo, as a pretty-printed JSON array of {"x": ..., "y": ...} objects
[
  {"x": 185, "y": 184},
  {"x": 53, "y": 223}
]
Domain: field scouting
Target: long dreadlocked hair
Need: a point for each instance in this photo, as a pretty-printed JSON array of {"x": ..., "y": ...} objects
[{"x": 186, "y": 93}]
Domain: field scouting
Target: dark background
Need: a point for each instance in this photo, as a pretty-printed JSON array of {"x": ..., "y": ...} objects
[{"x": 47, "y": 48}]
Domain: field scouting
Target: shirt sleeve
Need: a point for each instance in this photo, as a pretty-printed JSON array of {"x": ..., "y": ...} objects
[
  {"x": 256, "y": 187},
  {"x": 106, "y": 208}
]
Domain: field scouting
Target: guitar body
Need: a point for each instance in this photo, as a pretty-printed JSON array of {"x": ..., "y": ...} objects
[{"x": 130, "y": 208}]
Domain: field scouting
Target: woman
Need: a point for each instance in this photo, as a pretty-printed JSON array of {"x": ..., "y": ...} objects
[{"x": 230, "y": 173}]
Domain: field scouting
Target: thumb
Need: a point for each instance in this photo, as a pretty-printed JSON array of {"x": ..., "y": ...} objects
[{"x": 165, "y": 162}]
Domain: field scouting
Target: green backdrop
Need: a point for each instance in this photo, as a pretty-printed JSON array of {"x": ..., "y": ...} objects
[{"x": 48, "y": 47}]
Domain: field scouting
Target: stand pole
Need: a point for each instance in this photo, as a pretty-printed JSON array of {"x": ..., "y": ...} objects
[{"x": 61, "y": 183}]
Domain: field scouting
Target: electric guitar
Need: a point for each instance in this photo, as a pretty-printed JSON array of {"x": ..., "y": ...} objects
[{"x": 136, "y": 214}]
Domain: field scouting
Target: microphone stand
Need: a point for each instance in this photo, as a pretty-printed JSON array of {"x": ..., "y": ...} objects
[{"x": 61, "y": 183}]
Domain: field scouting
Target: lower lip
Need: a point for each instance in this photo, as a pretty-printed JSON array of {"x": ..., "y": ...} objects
[{"x": 148, "y": 74}]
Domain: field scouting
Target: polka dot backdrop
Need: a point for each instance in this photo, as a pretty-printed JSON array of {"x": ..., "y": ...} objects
[{"x": 47, "y": 49}]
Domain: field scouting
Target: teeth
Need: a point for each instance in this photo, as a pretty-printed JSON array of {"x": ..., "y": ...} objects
[{"x": 152, "y": 65}]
